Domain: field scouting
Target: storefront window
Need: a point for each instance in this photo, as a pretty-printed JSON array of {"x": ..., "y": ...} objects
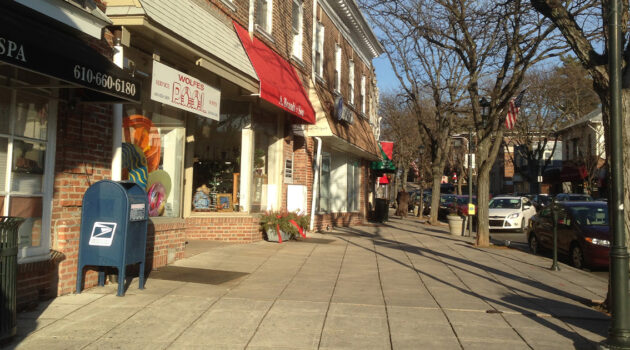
[
  {"x": 353, "y": 175},
  {"x": 217, "y": 155},
  {"x": 324, "y": 183},
  {"x": 265, "y": 179},
  {"x": 153, "y": 154},
  {"x": 24, "y": 139}
]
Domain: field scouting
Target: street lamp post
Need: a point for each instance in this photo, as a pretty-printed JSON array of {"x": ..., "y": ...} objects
[
  {"x": 470, "y": 175},
  {"x": 619, "y": 333}
]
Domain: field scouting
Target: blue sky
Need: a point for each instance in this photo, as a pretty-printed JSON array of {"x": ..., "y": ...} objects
[{"x": 385, "y": 76}]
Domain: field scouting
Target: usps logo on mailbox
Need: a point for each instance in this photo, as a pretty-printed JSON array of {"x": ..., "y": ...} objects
[{"x": 103, "y": 234}]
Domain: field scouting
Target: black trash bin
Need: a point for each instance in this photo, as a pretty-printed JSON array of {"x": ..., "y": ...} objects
[
  {"x": 8, "y": 275},
  {"x": 381, "y": 210}
]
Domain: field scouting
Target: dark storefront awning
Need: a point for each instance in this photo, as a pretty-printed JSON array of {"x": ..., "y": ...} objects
[
  {"x": 572, "y": 173},
  {"x": 29, "y": 44},
  {"x": 279, "y": 83}
]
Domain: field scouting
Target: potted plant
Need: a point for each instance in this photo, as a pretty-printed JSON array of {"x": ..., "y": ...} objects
[
  {"x": 283, "y": 226},
  {"x": 455, "y": 221}
]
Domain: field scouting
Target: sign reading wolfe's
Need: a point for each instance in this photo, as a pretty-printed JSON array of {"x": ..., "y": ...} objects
[{"x": 174, "y": 88}]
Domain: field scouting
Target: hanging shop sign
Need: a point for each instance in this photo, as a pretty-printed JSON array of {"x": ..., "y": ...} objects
[
  {"x": 342, "y": 112},
  {"x": 28, "y": 44},
  {"x": 174, "y": 88}
]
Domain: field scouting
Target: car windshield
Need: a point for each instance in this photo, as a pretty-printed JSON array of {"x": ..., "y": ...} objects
[
  {"x": 447, "y": 199},
  {"x": 590, "y": 215},
  {"x": 505, "y": 203}
]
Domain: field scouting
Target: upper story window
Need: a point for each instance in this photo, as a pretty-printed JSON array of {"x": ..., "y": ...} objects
[
  {"x": 337, "y": 81},
  {"x": 296, "y": 27},
  {"x": 351, "y": 81},
  {"x": 263, "y": 15},
  {"x": 319, "y": 50},
  {"x": 362, "y": 95}
]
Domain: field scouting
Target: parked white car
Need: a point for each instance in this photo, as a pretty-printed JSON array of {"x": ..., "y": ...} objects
[{"x": 510, "y": 213}]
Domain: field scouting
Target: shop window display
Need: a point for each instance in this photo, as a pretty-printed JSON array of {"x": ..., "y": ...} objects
[
  {"x": 152, "y": 156},
  {"x": 24, "y": 139},
  {"x": 216, "y": 159},
  {"x": 265, "y": 182}
]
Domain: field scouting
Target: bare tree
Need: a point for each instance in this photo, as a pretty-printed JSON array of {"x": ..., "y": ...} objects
[
  {"x": 496, "y": 42},
  {"x": 431, "y": 78},
  {"x": 584, "y": 25},
  {"x": 555, "y": 96},
  {"x": 400, "y": 126}
]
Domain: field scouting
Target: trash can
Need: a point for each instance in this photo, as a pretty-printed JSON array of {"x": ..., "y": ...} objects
[
  {"x": 8, "y": 275},
  {"x": 113, "y": 230},
  {"x": 381, "y": 210}
]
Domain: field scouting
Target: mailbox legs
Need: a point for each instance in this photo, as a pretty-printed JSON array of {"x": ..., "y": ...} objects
[
  {"x": 79, "y": 278},
  {"x": 101, "y": 277},
  {"x": 141, "y": 277}
]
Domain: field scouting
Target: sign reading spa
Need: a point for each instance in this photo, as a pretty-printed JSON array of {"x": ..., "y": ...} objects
[{"x": 174, "y": 88}]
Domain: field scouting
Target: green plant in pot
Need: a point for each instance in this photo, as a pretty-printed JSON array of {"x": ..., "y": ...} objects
[
  {"x": 281, "y": 225},
  {"x": 454, "y": 221}
]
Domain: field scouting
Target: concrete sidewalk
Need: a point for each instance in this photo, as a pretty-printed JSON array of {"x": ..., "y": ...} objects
[{"x": 402, "y": 285}]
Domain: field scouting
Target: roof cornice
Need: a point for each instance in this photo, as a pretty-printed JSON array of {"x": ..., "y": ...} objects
[{"x": 348, "y": 18}]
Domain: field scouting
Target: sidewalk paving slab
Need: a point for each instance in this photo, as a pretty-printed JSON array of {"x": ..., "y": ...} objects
[{"x": 400, "y": 285}]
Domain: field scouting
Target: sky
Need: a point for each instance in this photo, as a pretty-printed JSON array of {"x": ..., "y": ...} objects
[{"x": 385, "y": 77}]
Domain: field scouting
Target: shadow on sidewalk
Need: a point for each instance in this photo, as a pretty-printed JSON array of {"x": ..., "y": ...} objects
[{"x": 521, "y": 301}]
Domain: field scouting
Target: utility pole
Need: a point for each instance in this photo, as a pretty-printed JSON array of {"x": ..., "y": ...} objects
[
  {"x": 619, "y": 333},
  {"x": 470, "y": 175}
]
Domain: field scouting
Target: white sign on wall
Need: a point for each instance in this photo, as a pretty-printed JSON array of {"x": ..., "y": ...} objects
[{"x": 174, "y": 88}]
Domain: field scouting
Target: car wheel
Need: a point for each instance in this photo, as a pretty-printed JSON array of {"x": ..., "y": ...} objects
[
  {"x": 533, "y": 244},
  {"x": 577, "y": 256}
]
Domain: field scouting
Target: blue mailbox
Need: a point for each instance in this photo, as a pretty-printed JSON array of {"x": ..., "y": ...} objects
[{"x": 113, "y": 230}]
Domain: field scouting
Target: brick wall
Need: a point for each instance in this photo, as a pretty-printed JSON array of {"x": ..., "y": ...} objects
[
  {"x": 333, "y": 37},
  {"x": 234, "y": 9},
  {"x": 166, "y": 240},
  {"x": 236, "y": 229}
]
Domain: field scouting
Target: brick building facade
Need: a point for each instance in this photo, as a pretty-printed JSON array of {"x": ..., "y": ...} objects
[{"x": 216, "y": 169}]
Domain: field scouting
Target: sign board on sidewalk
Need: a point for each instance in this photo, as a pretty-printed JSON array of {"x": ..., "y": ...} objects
[
  {"x": 174, "y": 88},
  {"x": 471, "y": 209}
]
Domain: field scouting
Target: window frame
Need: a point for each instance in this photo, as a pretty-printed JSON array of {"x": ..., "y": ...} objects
[
  {"x": 268, "y": 25},
  {"x": 30, "y": 253},
  {"x": 297, "y": 37},
  {"x": 318, "y": 65},
  {"x": 351, "y": 82},
  {"x": 362, "y": 94},
  {"x": 337, "y": 77}
]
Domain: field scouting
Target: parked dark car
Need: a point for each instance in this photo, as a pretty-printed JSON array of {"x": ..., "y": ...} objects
[
  {"x": 540, "y": 201},
  {"x": 583, "y": 233},
  {"x": 462, "y": 204},
  {"x": 572, "y": 197},
  {"x": 414, "y": 199}
]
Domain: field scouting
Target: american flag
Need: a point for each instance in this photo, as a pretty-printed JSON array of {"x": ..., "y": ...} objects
[{"x": 513, "y": 109}]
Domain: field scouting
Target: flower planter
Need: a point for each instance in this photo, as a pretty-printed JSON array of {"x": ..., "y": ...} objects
[
  {"x": 272, "y": 236},
  {"x": 455, "y": 224}
]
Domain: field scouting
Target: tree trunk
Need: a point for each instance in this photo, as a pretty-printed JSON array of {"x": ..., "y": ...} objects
[
  {"x": 435, "y": 195},
  {"x": 483, "y": 198},
  {"x": 403, "y": 181}
]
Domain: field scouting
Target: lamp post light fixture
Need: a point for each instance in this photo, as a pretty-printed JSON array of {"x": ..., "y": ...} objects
[{"x": 485, "y": 109}]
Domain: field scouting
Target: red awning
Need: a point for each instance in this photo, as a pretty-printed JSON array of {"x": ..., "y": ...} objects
[
  {"x": 388, "y": 148},
  {"x": 279, "y": 83}
]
